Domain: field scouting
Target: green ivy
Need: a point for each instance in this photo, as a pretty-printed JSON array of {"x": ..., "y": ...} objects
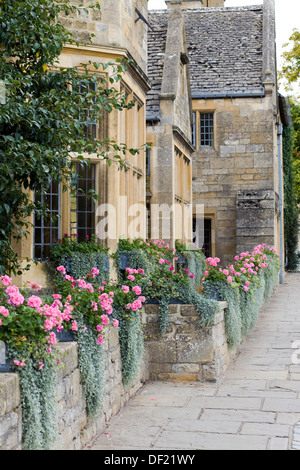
[{"x": 291, "y": 211}]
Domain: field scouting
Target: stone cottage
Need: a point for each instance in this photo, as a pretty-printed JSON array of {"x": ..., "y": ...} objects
[
  {"x": 235, "y": 121},
  {"x": 119, "y": 32}
]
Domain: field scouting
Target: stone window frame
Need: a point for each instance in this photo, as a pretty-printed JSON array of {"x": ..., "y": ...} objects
[
  {"x": 211, "y": 215},
  {"x": 64, "y": 213},
  {"x": 196, "y": 128}
]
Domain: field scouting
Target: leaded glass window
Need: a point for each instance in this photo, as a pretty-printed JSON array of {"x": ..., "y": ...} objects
[
  {"x": 46, "y": 226},
  {"x": 206, "y": 129},
  {"x": 82, "y": 204}
]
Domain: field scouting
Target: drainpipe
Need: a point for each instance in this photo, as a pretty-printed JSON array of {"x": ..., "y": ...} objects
[{"x": 279, "y": 135}]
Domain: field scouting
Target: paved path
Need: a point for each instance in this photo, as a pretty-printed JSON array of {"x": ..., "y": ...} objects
[{"x": 255, "y": 406}]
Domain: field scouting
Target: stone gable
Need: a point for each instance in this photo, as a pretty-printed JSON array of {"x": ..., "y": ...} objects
[{"x": 225, "y": 49}]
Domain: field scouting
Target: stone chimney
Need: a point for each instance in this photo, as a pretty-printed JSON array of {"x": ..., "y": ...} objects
[{"x": 195, "y": 3}]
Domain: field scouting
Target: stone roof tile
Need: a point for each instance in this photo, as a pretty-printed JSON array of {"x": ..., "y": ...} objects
[
  {"x": 225, "y": 49},
  {"x": 156, "y": 54}
]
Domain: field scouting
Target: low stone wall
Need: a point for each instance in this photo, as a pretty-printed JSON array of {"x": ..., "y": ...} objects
[
  {"x": 74, "y": 428},
  {"x": 188, "y": 352}
]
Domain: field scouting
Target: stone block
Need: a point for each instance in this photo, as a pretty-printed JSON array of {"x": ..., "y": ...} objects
[
  {"x": 196, "y": 352},
  {"x": 151, "y": 309},
  {"x": 185, "y": 368},
  {"x": 182, "y": 377},
  {"x": 10, "y": 397},
  {"x": 161, "y": 352},
  {"x": 188, "y": 310},
  {"x": 174, "y": 309}
]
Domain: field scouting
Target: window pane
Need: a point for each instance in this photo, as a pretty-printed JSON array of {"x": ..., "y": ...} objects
[
  {"x": 90, "y": 123},
  {"x": 207, "y": 238},
  {"x": 207, "y": 129},
  {"x": 46, "y": 226},
  {"x": 83, "y": 218}
]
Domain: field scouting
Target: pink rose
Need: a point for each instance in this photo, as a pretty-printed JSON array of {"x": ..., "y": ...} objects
[
  {"x": 34, "y": 301},
  {"x": 4, "y": 311},
  {"x": 6, "y": 280},
  {"x": 61, "y": 269},
  {"x": 35, "y": 286},
  {"x": 105, "y": 319},
  {"x": 16, "y": 299},
  {"x": 100, "y": 339},
  {"x": 137, "y": 290}
]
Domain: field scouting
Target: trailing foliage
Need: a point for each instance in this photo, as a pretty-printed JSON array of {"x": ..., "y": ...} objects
[
  {"x": 245, "y": 285},
  {"x": 42, "y": 130},
  {"x": 89, "y": 317},
  {"x": 193, "y": 260},
  {"x": 79, "y": 258},
  {"x": 165, "y": 284},
  {"x": 221, "y": 290},
  {"x": 132, "y": 254},
  {"x": 131, "y": 343},
  {"x": 91, "y": 360},
  {"x": 38, "y": 394},
  {"x": 128, "y": 301}
]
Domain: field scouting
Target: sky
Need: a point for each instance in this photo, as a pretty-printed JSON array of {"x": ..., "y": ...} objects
[{"x": 287, "y": 18}]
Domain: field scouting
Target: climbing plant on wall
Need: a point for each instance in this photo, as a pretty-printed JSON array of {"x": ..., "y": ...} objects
[{"x": 291, "y": 211}]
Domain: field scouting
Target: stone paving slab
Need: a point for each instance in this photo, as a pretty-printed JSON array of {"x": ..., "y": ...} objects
[{"x": 255, "y": 406}]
